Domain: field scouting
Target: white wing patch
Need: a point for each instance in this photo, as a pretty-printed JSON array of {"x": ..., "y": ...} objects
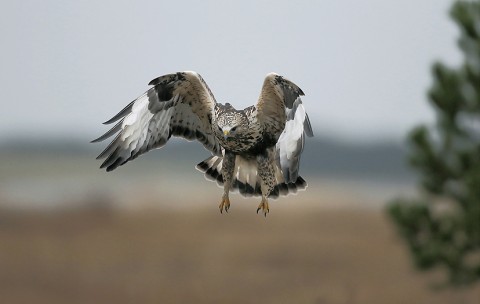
[
  {"x": 179, "y": 104},
  {"x": 290, "y": 144},
  {"x": 283, "y": 114}
]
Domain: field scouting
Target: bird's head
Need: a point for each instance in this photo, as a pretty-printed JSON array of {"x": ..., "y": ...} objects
[{"x": 230, "y": 124}]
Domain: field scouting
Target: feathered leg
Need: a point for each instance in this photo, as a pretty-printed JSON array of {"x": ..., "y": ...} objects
[
  {"x": 228, "y": 167},
  {"x": 267, "y": 177}
]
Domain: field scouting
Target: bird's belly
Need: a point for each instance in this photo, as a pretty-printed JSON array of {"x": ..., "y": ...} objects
[
  {"x": 248, "y": 145},
  {"x": 236, "y": 146}
]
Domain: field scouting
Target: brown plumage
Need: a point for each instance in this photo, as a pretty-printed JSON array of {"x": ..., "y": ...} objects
[{"x": 255, "y": 151}]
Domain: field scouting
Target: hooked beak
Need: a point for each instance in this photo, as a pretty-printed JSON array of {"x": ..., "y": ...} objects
[{"x": 225, "y": 134}]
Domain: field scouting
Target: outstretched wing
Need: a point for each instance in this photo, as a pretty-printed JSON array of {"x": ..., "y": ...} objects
[
  {"x": 178, "y": 104},
  {"x": 281, "y": 112}
]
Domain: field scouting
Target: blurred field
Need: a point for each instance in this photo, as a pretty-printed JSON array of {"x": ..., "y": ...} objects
[
  {"x": 151, "y": 233},
  {"x": 199, "y": 256},
  {"x": 32, "y": 178}
]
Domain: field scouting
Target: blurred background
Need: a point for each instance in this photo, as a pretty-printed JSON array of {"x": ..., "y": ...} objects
[{"x": 150, "y": 231}]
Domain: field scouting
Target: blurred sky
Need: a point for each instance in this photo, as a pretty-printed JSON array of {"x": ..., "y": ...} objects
[{"x": 67, "y": 66}]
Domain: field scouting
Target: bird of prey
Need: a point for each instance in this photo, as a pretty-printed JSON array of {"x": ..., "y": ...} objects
[{"x": 255, "y": 151}]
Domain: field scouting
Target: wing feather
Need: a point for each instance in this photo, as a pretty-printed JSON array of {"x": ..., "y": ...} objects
[
  {"x": 179, "y": 104},
  {"x": 283, "y": 117},
  {"x": 121, "y": 114},
  {"x": 110, "y": 132}
]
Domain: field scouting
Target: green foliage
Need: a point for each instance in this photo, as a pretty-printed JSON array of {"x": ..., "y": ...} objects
[{"x": 443, "y": 229}]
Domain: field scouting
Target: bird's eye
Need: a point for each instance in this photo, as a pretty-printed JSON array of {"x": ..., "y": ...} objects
[{"x": 233, "y": 129}]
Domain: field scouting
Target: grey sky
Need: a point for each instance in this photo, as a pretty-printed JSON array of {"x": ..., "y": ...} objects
[{"x": 67, "y": 66}]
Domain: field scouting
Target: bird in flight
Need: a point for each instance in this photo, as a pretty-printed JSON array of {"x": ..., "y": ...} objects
[{"x": 255, "y": 151}]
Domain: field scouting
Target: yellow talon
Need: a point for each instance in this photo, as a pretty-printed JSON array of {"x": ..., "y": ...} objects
[
  {"x": 224, "y": 204},
  {"x": 263, "y": 206}
]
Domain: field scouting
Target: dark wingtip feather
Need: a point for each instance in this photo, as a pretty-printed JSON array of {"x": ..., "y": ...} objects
[
  {"x": 110, "y": 159},
  {"x": 307, "y": 127},
  {"x": 300, "y": 92},
  {"x": 157, "y": 80},
  {"x": 109, "y": 147},
  {"x": 118, "y": 162},
  {"x": 111, "y": 120},
  {"x": 153, "y": 82},
  {"x": 121, "y": 114},
  {"x": 109, "y": 133}
]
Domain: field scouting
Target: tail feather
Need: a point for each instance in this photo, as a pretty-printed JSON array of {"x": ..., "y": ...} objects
[
  {"x": 246, "y": 180},
  {"x": 212, "y": 167}
]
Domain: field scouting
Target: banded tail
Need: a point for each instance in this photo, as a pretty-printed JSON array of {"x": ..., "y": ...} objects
[{"x": 246, "y": 180}]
